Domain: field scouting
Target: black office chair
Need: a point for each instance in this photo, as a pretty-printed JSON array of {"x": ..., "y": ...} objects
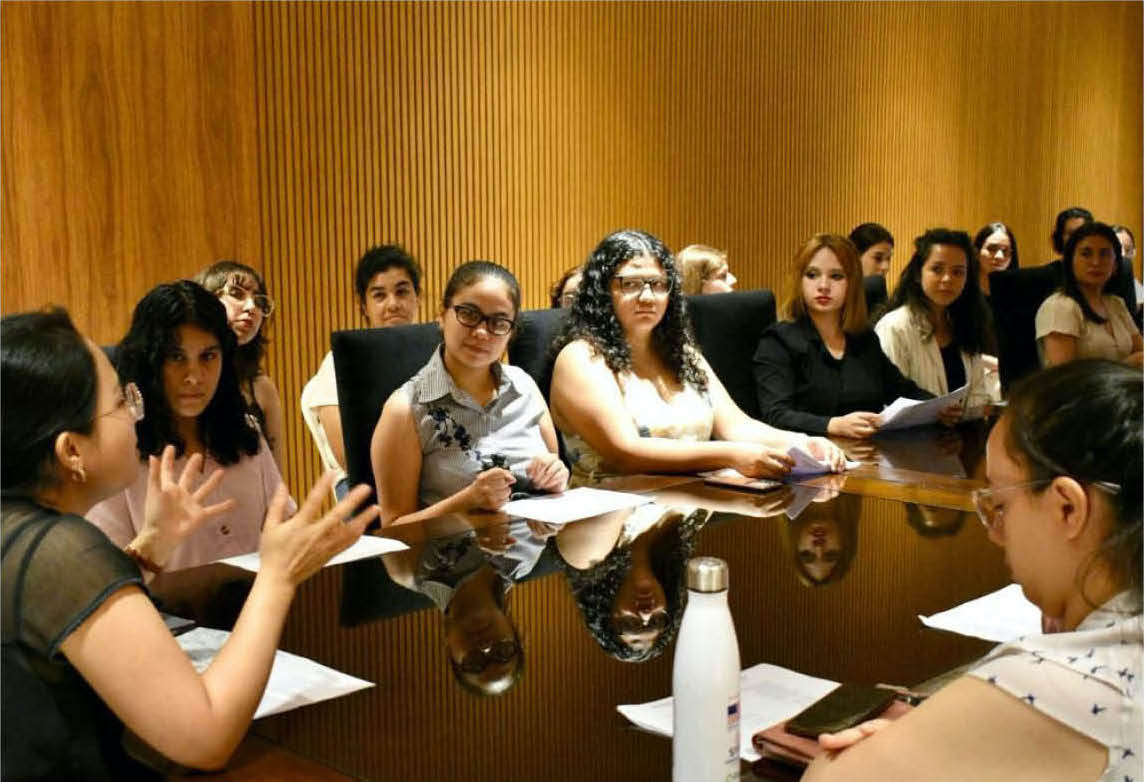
[
  {"x": 529, "y": 349},
  {"x": 728, "y": 327},
  {"x": 875, "y": 290},
  {"x": 1015, "y": 296},
  {"x": 370, "y": 364}
]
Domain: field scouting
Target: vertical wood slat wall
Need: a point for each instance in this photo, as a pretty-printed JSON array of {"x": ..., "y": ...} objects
[{"x": 142, "y": 141}]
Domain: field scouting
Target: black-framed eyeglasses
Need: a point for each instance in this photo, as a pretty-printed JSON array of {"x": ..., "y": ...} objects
[
  {"x": 132, "y": 401},
  {"x": 478, "y": 660},
  {"x": 634, "y": 285},
  {"x": 990, "y": 511},
  {"x": 240, "y": 295},
  {"x": 631, "y": 624},
  {"x": 471, "y": 317}
]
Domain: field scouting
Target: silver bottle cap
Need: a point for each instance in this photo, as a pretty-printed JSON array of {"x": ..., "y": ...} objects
[{"x": 707, "y": 574}]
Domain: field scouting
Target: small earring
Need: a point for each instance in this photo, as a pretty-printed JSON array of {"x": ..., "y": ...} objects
[{"x": 78, "y": 475}]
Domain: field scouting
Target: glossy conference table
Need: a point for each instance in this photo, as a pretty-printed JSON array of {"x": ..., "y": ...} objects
[{"x": 901, "y": 540}]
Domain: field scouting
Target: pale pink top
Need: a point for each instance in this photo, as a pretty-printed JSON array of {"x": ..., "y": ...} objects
[{"x": 251, "y": 482}]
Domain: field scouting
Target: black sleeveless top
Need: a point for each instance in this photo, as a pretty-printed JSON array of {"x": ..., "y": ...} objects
[{"x": 56, "y": 570}]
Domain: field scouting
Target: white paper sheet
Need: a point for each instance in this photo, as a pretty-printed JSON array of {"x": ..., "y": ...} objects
[
  {"x": 365, "y": 547},
  {"x": 806, "y": 464},
  {"x": 904, "y": 413},
  {"x": 294, "y": 681},
  {"x": 767, "y": 694},
  {"x": 573, "y": 505},
  {"x": 999, "y": 616}
]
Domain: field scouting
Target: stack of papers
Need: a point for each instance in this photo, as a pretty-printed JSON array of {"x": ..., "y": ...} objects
[
  {"x": 767, "y": 694},
  {"x": 574, "y": 505},
  {"x": 294, "y": 681},
  {"x": 904, "y": 413},
  {"x": 999, "y": 616},
  {"x": 365, "y": 547}
]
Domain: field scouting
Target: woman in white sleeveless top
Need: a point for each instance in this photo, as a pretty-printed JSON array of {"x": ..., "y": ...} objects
[{"x": 632, "y": 393}]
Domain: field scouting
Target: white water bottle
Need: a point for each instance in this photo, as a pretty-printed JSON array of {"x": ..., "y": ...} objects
[{"x": 705, "y": 680}]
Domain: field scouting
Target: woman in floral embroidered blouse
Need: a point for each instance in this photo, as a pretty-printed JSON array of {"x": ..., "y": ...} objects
[{"x": 455, "y": 435}]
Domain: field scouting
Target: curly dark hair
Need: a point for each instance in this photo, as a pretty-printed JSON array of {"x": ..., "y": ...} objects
[
  {"x": 226, "y": 431},
  {"x": 593, "y": 318},
  {"x": 969, "y": 315},
  {"x": 595, "y": 589}
]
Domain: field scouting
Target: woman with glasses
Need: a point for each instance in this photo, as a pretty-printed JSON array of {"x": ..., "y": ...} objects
[
  {"x": 180, "y": 352},
  {"x": 1064, "y": 465},
  {"x": 466, "y": 431},
  {"x": 242, "y": 291},
  {"x": 936, "y": 328},
  {"x": 632, "y": 393},
  {"x": 85, "y": 653},
  {"x": 822, "y": 370},
  {"x": 563, "y": 293}
]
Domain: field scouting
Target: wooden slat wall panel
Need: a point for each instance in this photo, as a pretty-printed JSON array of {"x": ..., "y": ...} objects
[
  {"x": 128, "y": 152},
  {"x": 524, "y": 132}
]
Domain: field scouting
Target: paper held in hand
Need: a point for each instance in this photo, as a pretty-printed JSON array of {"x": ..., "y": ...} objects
[{"x": 904, "y": 413}]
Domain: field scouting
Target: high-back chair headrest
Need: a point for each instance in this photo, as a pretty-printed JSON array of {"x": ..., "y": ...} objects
[
  {"x": 1015, "y": 296},
  {"x": 875, "y": 290},
  {"x": 370, "y": 364},
  {"x": 529, "y": 349},
  {"x": 728, "y": 327}
]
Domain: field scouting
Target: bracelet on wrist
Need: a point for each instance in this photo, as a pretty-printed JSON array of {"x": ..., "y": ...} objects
[{"x": 139, "y": 559}]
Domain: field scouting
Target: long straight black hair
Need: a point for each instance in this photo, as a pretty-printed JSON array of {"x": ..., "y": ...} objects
[
  {"x": 969, "y": 317},
  {"x": 224, "y": 427}
]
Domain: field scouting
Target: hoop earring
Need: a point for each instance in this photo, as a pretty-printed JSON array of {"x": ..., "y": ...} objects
[{"x": 78, "y": 475}]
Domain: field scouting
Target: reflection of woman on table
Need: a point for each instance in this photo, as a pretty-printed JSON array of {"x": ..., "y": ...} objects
[
  {"x": 822, "y": 540},
  {"x": 1064, "y": 465},
  {"x": 468, "y": 573},
  {"x": 626, "y": 572}
]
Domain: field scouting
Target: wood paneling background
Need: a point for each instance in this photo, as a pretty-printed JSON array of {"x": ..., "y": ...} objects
[{"x": 142, "y": 141}]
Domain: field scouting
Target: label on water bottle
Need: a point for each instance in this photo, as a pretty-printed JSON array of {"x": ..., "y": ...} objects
[{"x": 731, "y": 761}]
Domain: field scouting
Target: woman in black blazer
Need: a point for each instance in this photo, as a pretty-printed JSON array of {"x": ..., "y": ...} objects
[{"x": 821, "y": 370}]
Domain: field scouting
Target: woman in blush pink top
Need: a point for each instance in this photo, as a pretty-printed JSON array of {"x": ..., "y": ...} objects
[{"x": 179, "y": 351}]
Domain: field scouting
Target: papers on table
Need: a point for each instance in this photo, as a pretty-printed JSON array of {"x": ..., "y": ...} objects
[
  {"x": 294, "y": 681},
  {"x": 767, "y": 694},
  {"x": 904, "y": 413},
  {"x": 582, "y": 503},
  {"x": 365, "y": 547},
  {"x": 999, "y": 616}
]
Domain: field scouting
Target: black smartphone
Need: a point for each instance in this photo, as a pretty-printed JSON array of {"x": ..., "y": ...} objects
[{"x": 844, "y": 707}]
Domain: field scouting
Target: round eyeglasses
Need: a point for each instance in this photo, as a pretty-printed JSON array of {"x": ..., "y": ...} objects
[
  {"x": 479, "y": 659},
  {"x": 471, "y": 317},
  {"x": 990, "y": 510},
  {"x": 240, "y": 295},
  {"x": 132, "y": 401}
]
